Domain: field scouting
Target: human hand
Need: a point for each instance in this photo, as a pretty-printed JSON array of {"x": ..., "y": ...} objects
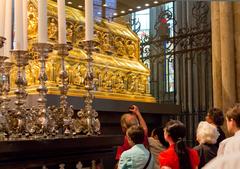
[{"x": 134, "y": 109}]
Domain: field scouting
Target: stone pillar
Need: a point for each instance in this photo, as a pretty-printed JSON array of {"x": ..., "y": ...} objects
[
  {"x": 227, "y": 55},
  {"x": 236, "y": 13},
  {"x": 216, "y": 55}
]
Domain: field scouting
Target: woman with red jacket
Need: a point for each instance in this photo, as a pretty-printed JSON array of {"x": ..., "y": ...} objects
[{"x": 178, "y": 155}]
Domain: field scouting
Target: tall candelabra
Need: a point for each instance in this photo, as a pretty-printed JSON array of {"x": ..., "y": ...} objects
[
  {"x": 18, "y": 115},
  {"x": 88, "y": 115},
  {"x": 3, "y": 121},
  {"x": 42, "y": 114},
  {"x": 65, "y": 111}
]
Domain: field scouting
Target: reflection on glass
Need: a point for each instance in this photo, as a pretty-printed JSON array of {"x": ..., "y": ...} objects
[{"x": 104, "y": 8}]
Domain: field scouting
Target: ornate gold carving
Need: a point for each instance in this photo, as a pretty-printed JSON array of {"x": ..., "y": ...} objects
[{"x": 118, "y": 72}]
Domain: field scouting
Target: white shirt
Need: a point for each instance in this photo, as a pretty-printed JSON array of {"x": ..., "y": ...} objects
[
  {"x": 227, "y": 161},
  {"x": 230, "y": 145}
]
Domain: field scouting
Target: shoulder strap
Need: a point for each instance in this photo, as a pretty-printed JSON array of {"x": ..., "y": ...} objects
[{"x": 149, "y": 158}]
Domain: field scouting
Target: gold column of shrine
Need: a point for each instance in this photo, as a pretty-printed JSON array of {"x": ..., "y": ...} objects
[{"x": 118, "y": 72}]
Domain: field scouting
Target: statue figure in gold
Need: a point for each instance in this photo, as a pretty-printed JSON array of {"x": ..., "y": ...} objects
[
  {"x": 32, "y": 20},
  {"x": 132, "y": 82},
  {"x": 79, "y": 74},
  {"x": 107, "y": 48},
  {"x": 131, "y": 49},
  {"x": 52, "y": 29},
  {"x": 119, "y": 83},
  {"x": 119, "y": 46},
  {"x": 107, "y": 80},
  {"x": 98, "y": 39},
  {"x": 80, "y": 35},
  {"x": 70, "y": 33},
  {"x": 142, "y": 84}
]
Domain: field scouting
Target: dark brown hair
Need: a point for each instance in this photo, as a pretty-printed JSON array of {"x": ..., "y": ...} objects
[
  {"x": 217, "y": 116},
  {"x": 136, "y": 133}
]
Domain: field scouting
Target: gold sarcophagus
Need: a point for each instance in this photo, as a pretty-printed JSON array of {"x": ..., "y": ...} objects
[{"x": 118, "y": 72}]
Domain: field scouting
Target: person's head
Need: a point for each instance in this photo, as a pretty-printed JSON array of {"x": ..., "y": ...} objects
[
  {"x": 215, "y": 116},
  {"x": 128, "y": 120},
  {"x": 174, "y": 132},
  {"x": 207, "y": 133},
  {"x": 233, "y": 119},
  {"x": 158, "y": 134},
  {"x": 135, "y": 135}
]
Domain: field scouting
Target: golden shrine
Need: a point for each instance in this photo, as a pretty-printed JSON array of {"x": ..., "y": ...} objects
[{"x": 118, "y": 72}]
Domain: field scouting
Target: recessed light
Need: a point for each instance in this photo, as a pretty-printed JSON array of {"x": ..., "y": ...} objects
[
  {"x": 80, "y": 6},
  {"x": 155, "y": 2},
  {"x": 69, "y": 3},
  {"x": 146, "y": 4},
  {"x": 130, "y": 9},
  {"x": 138, "y": 7},
  {"x": 122, "y": 11},
  {"x": 115, "y": 14}
]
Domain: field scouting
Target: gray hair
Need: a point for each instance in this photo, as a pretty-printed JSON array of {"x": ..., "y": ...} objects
[
  {"x": 207, "y": 133},
  {"x": 128, "y": 120}
]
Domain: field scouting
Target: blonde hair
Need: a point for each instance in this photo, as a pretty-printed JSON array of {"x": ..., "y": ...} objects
[{"x": 207, "y": 133}]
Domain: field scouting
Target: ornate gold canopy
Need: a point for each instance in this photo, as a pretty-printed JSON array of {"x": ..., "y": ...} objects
[{"x": 118, "y": 72}]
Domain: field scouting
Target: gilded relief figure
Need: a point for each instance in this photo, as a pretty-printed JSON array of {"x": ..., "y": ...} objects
[
  {"x": 106, "y": 46},
  {"x": 119, "y": 46},
  {"x": 107, "y": 80},
  {"x": 32, "y": 20},
  {"x": 131, "y": 49},
  {"x": 52, "y": 29},
  {"x": 98, "y": 39},
  {"x": 132, "y": 82},
  {"x": 70, "y": 33},
  {"x": 79, "y": 74},
  {"x": 32, "y": 72},
  {"x": 142, "y": 84},
  {"x": 119, "y": 83},
  {"x": 79, "y": 35}
]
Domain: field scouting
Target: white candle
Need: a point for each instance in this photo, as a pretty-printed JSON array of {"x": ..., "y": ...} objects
[
  {"x": 61, "y": 22},
  {"x": 2, "y": 17},
  {"x": 42, "y": 21},
  {"x": 18, "y": 11},
  {"x": 2, "y": 21},
  {"x": 8, "y": 29},
  {"x": 25, "y": 25},
  {"x": 88, "y": 20}
]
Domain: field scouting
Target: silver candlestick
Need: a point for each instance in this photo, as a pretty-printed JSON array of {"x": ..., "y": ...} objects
[
  {"x": 6, "y": 86},
  {"x": 18, "y": 124},
  {"x": 42, "y": 120},
  {"x": 65, "y": 111},
  {"x": 3, "y": 120},
  {"x": 88, "y": 115},
  {"x": 2, "y": 59}
]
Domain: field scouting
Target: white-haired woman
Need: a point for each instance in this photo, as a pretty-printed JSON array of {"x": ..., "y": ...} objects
[{"x": 207, "y": 135}]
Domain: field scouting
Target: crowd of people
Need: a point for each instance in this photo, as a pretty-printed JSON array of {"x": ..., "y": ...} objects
[{"x": 166, "y": 147}]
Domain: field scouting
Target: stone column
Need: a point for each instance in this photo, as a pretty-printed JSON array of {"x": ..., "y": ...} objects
[
  {"x": 216, "y": 55},
  {"x": 227, "y": 55},
  {"x": 236, "y": 12}
]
